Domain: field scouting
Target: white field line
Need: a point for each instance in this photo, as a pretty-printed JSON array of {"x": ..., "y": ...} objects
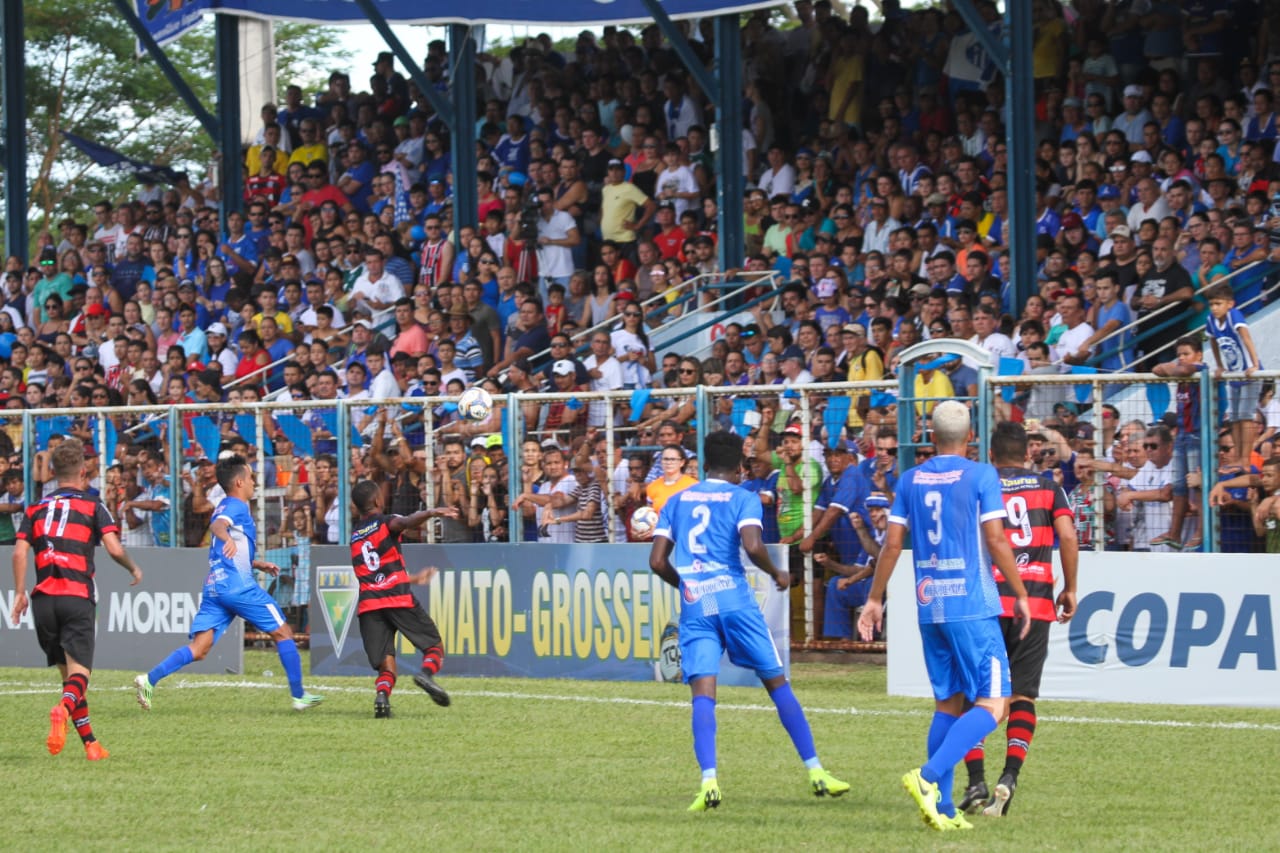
[{"x": 33, "y": 687}]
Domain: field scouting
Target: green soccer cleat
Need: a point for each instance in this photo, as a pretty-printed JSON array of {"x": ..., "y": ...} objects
[
  {"x": 926, "y": 795},
  {"x": 826, "y": 785},
  {"x": 306, "y": 700},
  {"x": 145, "y": 688},
  {"x": 708, "y": 797},
  {"x": 957, "y": 822}
]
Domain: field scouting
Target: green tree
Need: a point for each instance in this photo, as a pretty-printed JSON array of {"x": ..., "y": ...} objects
[{"x": 83, "y": 76}]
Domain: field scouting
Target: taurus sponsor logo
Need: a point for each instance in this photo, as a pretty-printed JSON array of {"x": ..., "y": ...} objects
[
  {"x": 929, "y": 588},
  {"x": 338, "y": 592}
]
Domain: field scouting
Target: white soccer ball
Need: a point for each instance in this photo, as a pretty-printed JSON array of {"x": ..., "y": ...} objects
[
  {"x": 643, "y": 522},
  {"x": 475, "y": 404}
]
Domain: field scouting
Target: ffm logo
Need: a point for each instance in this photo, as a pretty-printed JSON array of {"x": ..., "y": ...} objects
[{"x": 338, "y": 592}]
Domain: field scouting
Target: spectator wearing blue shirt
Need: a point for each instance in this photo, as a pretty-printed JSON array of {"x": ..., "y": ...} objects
[{"x": 357, "y": 181}]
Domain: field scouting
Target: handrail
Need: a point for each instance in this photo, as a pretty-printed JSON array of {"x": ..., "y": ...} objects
[{"x": 1204, "y": 326}]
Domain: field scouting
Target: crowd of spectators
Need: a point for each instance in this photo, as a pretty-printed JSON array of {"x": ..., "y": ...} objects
[{"x": 874, "y": 187}]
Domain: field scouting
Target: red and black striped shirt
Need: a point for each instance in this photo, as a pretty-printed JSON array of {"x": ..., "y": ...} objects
[
  {"x": 63, "y": 530},
  {"x": 379, "y": 566},
  {"x": 1031, "y": 504}
]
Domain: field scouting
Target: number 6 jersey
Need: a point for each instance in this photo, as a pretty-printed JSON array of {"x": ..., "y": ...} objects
[
  {"x": 944, "y": 503},
  {"x": 379, "y": 567},
  {"x": 703, "y": 521}
]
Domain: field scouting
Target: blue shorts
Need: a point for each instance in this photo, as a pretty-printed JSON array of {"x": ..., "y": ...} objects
[
  {"x": 741, "y": 633},
  {"x": 966, "y": 657},
  {"x": 252, "y": 604}
]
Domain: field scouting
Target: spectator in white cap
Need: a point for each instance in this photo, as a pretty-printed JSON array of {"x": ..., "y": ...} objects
[
  {"x": 219, "y": 352},
  {"x": 1135, "y": 115},
  {"x": 563, "y": 414}
]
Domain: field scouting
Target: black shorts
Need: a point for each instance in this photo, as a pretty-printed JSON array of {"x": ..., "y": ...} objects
[
  {"x": 1026, "y": 654},
  {"x": 65, "y": 627},
  {"x": 378, "y": 629}
]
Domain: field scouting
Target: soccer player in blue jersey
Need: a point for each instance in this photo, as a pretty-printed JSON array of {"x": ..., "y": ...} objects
[
  {"x": 230, "y": 590},
  {"x": 696, "y": 550},
  {"x": 955, "y": 511}
]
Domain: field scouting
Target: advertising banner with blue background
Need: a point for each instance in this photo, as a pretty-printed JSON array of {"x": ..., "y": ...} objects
[
  {"x": 535, "y": 611},
  {"x": 1161, "y": 628},
  {"x": 167, "y": 19}
]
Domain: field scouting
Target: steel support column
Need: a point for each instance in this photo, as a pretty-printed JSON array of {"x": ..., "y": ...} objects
[
  {"x": 680, "y": 45},
  {"x": 438, "y": 102},
  {"x": 227, "y": 50},
  {"x": 998, "y": 50},
  {"x": 14, "y": 121},
  {"x": 729, "y": 121},
  {"x": 462, "y": 57},
  {"x": 1020, "y": 134}
]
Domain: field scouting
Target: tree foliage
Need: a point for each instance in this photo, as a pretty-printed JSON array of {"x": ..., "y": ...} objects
[{"x": 83, "y": 76}]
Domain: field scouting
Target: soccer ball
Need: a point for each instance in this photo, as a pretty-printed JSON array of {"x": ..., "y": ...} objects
[
  {"x": 643, "y": 522},
  {"x": 475, "y": 404}
]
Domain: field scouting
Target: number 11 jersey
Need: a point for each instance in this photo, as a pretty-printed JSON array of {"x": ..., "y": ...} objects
[
  {"x": 703, "y": 522},
  {"x": 944, "y": 503}
]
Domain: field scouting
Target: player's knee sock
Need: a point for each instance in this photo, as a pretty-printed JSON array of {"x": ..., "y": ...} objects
[
  {"x": 432, "y": 658},
  {"x": 386, "y": 682},
  {"x": 73, "y": 690},
  {"x": 974, "y": 763},
  {"x": 292, "y": 662},
  {"x": 704, "y": 734},
  {"x": 1022, "y": 727},
  {"x": 80, "y": 718},
  {"x": 176, "y": 660},
  {"x": 974, "y": 725},
  {"x": 797, "y": 726},
  {"x": 938, "y": 729}
]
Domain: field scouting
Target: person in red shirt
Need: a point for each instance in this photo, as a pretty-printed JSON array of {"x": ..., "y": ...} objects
[{"x": 670, "y": 237}]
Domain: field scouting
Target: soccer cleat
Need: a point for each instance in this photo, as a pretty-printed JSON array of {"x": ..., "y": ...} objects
[
  {"x": 956, "y": 822},
  {"x": 975, "y": 798},
  {"x": 57, "y": 729},
  {"x": 435, "y": 691},
  {"x": 145, "y": 689},
  {"x": 382, "y": 707},
  {"x": 708, "y": 797},
  {"x": 1002, "y": 797},
  {"x": 306, "y": 700},
  {"x": 926, "y": 795},
  {"x": 95, "y": 751},
  {"x": 826, "y": 785}
]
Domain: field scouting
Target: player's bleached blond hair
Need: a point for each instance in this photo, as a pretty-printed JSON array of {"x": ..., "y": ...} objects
[{"x": 950, "y": 422}]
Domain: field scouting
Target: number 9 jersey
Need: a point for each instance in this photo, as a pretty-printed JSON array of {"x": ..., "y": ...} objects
[
  {"x": 943, "y": 503},
  {"x": 703, "y": 522}
]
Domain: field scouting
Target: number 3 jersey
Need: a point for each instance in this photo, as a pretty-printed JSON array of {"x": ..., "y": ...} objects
[
  {"x": 63, "y": 530},
  {"x": 1031, "y": 503},
  {"x": 379, "y": 566},
  {"x": 943, "y": 503},
  {"x": 704, "y": 522}
]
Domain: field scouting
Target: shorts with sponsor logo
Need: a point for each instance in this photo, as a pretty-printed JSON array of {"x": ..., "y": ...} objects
[
  {"x": 64, "y": 627},
  {"x": 252, "y": 604},
  {"x": 742, "y": 633},
  {"x": 1026, "y": 654},
  {"x": 966, "y": 657},
  {"x": 378, "y": 630}
]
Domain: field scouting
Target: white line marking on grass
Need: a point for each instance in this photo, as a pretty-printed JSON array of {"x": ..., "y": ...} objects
[{"x": 32, "y": 688}]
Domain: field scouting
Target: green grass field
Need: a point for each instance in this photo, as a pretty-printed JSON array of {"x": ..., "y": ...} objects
[{"x": 223, "y": 763}]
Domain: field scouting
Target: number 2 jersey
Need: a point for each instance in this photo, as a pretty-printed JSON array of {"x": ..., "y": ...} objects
[
  {"x": 943, "y": 503},
  {"x": 379, "y": 566},
  {"x": 703, "y": 522},
  {"x": 63, "y": 530},
  {"x": 1031, "y": 503}
]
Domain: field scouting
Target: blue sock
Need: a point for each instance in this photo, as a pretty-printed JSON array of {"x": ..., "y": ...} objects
[
  {"x": 288, "y": 651},
  {"x": 938, "y": 729},
  {"x": 176, "y": 660},
  {"x": 964, "y": 733},
  {"x": 704, "y": 734},
  {"x": 793, "y": 720}
]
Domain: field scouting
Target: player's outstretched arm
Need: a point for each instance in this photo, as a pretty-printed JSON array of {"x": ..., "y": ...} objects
[
  {"x": 1002, "y": 556},
  {"x": 111, "y": 541},
  {"x": 400, "y": 523},
  {"x": 660, "y": 561},
  {"x": 424, "y": 576},
  {"x": 1069, "y": 553},
  {"x": 753, "y": 544},
  {"x": 21, "y": 549}
]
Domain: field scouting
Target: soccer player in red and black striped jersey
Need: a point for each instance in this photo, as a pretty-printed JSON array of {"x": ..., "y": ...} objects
[
  {"x": 62, "y": 531},
  {"x": 1036, "y": 511},
  {"x": 386, "y": 603}
]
